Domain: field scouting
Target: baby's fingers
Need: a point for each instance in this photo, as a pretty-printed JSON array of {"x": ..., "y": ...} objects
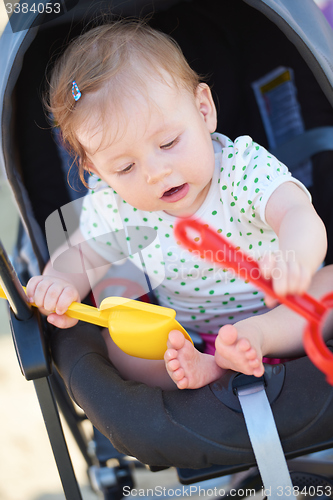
[
  {"x": 289, "y": 278},
  {"x": 299, "y": 279},
  {"x": 62, "y": 321},
  {"x": 274, "y": 268},
  {"x": 31, "y": 287},
  {"x": 281, "y": 279},
  {"x": 292, "y": 278},
  {"x": 271, "y": 301},
  {"x": 47, "y": 293},
  {"x": 57, "y": 297},
  {"x": 267, "y": 265},
  {"x": 37, "y": 290},
  {"x": 51, "y": 295}
]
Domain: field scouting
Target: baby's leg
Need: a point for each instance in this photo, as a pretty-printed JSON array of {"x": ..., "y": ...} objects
[
  {"x": 201, "y": 368},
  {"x": 148, "y": 371},
  {"x": 187, "y": 367},
  {"x": 277, "y": 333}
]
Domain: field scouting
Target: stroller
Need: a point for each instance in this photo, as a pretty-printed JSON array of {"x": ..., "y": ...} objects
[{"x": 272, "y": 80}]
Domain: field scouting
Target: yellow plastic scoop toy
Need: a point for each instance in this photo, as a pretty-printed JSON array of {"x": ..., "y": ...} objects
[{"x": 138, "y": 328}]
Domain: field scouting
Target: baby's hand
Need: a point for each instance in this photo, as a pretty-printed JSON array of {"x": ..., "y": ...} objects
[
  {"x": 287, "y": 274},
  {"x": 53, "y": 296}
]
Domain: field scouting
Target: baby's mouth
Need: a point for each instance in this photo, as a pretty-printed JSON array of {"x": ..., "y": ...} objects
[
  {"x": 175, "y": 193},
  {"x": 173, "y": 190}
]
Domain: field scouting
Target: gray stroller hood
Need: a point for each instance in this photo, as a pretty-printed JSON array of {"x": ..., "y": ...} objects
[{"x": 198, "y": 428}]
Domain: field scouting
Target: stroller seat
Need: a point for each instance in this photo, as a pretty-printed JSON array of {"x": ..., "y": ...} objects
[
  {"x": 177, "y": 436},
  {"x": 261, "y": 45}
]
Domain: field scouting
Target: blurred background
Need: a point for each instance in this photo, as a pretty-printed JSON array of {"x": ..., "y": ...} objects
[{"x": 27, "y": 467}]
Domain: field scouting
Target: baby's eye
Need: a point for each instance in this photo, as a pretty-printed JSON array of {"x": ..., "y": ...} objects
[
  {"x": 127, "y": 169},
  {"x": 170, "y": 144}
]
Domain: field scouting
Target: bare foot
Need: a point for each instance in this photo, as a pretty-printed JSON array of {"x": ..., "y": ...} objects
[
  {"x": 238, "y": 353},
  {"x": 189, "y": 368}
]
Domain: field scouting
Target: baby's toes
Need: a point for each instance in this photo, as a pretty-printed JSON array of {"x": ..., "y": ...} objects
[
  {"x": 178, "y": 375},
  {"x": 254, "y": 363},
  {"x": 243, "y": 345},
  {"x": 180, "y": 379},
  {"x": 176, "y": 340},
  {"x": 173, "y": 365},
  {"x": 183, "y": 384},
  {"x": 258, "y": 372},
  {"x": 170, "y": 354},
  {"x": 227, "y": 335},
  {"x": 251, "y": 354}
]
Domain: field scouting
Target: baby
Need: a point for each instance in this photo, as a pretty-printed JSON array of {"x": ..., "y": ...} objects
[{"x": 138, "y": 118}]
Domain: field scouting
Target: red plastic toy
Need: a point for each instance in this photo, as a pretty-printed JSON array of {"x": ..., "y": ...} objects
[{"x": 221, "y": 251}]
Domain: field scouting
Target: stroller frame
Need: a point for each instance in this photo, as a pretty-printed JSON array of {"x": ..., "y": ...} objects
[{"x": 34, "y": 352}]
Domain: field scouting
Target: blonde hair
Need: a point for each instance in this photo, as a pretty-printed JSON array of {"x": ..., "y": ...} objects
[{"x": 105, "y": 62}]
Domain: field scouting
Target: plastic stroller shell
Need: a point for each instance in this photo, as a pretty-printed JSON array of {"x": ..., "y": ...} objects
[{"x": 183, "y": 428}]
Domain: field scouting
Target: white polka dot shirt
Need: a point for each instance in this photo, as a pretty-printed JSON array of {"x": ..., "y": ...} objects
[{"x": 205, "y": 296}]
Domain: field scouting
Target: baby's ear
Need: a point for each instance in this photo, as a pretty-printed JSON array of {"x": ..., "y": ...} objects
[
  {"x": 89, "y": 167},
  {"x": 206, "y": 106}
]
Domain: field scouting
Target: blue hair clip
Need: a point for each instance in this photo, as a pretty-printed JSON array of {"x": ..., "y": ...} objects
[{"x": 76, "y": 91}]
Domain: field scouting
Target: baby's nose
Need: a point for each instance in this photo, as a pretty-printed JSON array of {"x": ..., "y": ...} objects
[{"x": 157, "y": 172}]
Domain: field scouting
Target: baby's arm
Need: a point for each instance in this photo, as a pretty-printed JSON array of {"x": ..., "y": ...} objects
[
  {"x": 54, "y": 291},
  {"x": 302, "y": 240}
]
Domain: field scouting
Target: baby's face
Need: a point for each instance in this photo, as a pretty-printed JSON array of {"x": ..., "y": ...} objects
[{"x": 161, "y": 156}]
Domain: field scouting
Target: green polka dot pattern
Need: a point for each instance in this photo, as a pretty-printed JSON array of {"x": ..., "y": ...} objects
[{"x": 205, "y": 296}]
